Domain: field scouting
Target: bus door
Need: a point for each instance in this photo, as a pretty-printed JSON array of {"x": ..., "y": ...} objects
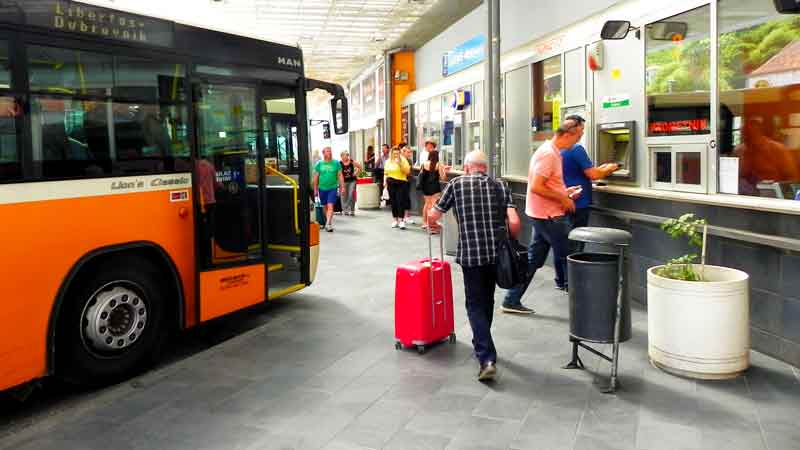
[
  {"x": 282, "y": 217},
  {"x": 230, "y": 198}
]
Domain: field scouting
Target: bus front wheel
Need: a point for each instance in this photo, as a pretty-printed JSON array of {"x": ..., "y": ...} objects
[{"x": 113, "y": 323}]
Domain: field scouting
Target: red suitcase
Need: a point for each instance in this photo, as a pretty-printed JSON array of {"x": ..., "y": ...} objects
[{"x": 423, "y": 303}]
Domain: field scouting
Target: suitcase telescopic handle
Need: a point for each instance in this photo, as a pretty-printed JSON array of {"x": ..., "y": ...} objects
[{"x": 430, "y": 272}]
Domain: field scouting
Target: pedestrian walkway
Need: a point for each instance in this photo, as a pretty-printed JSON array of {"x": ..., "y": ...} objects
[{"x": 322, "y": 372}]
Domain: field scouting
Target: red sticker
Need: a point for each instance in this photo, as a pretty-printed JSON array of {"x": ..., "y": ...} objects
[{"x": 178, "y": 196}]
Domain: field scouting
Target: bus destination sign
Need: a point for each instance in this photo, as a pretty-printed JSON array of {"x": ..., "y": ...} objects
[{"x": 88, "y": 20}]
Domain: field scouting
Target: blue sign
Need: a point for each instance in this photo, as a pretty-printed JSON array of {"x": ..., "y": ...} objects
[{"x": 465, "y": 55}]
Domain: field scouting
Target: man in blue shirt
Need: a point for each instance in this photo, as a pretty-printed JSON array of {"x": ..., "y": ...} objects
[{"x": 579, "y": 171}]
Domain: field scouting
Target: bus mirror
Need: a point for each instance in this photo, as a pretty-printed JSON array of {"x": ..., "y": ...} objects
[
  {"x": 615, "y": 29},
  {"x": 667, "y": 31},
  {"x": 340, "y": 114},
  {"x": 787, "y": 6}
]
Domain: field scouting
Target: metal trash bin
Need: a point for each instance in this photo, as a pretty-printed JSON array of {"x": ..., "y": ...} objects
[
  {"x": 451, "y": 231},
  {"x": 593, "y": 284},
  {"x": 599, "y": 304}
]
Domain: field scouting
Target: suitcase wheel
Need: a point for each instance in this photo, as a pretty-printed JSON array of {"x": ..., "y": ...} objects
[
  {"x": 420, "y": 349},
  {"x": 398, "y": 345},
  {"x": 452, "y": 338}
]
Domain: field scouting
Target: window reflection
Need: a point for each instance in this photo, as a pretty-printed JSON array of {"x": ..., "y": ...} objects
[
  {"x": 92, "y": 138},
  {"x": 547, "y": 99},
  {"x": 688, "y": 167},
  {"x": 66, "y": 71},
  {"x": 10, "y": 113},
  {"x": 677, "y": 77},
  {"x": 759, "y": 79}
]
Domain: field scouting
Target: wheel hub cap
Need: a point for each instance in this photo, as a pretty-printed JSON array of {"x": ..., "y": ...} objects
[{"x": 114, "y": 319}]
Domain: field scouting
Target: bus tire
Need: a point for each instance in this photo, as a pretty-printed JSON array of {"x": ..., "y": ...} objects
[{"x": 114, "y": 322}]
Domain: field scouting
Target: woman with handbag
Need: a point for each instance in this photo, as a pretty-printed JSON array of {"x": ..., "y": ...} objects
[
  {"x": 395, "y": 172},
  {"x": 430, "y": 176},
  {"x": 350, "y": 169}
]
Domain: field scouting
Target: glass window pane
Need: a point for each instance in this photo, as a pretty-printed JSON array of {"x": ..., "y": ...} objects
[
  {"x": 687, "y": 167},
  {"x": 151, "y": 80},
  {"x": 759, "y": 82},
  {"x": 663, "y": 167},
  {"x": 228, "y": 184},
  {"x": 280, "y": 128},
  {"x": 355, "y": 102},
  {"x": 5, "y": 66},
  {"x": 677, "y": 74},
  {"x": 68, "y": 71},
  {"x": 368, "y": 87},
  {"x": 10, "y": 115},
  {"x": 433, "y": 127},
  {"x": 381, "y": 90},
  {"x": 226, "y": 121},
  {"x": 71, "y": 137},
  {"x": 450, "y": 123},
  {"x": 150, "y": 138},
  {"x": 547, "y": 98},
  {"x": 77, "y": 138}
]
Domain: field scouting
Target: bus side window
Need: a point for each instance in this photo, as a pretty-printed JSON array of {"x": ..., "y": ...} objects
[{"x": 10, "y": 111}]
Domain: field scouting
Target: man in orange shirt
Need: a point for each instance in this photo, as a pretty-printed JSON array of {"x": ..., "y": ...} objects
[{"x": 549, "y": 204}]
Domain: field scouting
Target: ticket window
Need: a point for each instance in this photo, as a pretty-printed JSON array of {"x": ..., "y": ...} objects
[
  {"x": 679, "y": 167},
  {"x": 616, "y": 142}
]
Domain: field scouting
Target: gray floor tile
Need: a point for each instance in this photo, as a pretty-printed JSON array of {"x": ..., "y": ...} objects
[
  {"x": 732, "y": 439},
  {"x": 376, "y": 425},
  {"x": 550, "y": 426},
  {"x": 410, "y": 440},
  {"x": 479, "y": 432},
  {"x": 783, "y": 434},
  {"x": 597, "y": 443},
  {"x": 653, "y": 435},
  {"x": 503, "y": 405}
]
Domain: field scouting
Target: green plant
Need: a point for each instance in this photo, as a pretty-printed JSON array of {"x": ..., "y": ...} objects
[{"x": 683, "y": 267}]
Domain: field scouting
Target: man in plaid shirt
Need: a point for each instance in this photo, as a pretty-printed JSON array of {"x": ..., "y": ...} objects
[{"x": 474, "y": 198}]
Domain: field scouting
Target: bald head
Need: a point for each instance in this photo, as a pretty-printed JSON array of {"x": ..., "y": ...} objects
[{"x": 476, "y": 161}]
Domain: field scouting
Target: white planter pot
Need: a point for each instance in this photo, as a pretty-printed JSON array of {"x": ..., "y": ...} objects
[
  {"x": 368, "y": 196},
  {"x": 700, "y": 329}
]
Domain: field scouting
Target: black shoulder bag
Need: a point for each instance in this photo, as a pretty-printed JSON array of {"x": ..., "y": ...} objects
[
  {"x": 511, "y": 258},
  {"x": 421, "y": 178}
]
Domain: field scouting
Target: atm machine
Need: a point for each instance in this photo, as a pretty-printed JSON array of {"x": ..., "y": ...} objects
[{"x": 616, "y": 142}]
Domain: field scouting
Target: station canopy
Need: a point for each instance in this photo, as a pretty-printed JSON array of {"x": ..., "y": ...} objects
[{"x": 338, "y": 37}]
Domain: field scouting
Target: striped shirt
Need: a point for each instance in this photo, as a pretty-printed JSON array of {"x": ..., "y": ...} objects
[{"x": 475, "y": 201}]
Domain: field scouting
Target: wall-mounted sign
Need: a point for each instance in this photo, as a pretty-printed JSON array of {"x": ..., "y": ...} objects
[
  {"x": 616, "y": 101},
  {"x": 88, "y": 20},
  {"x": 550, "y": 45},
  {"x": 465, "y": 55},
  {"x": 461, "y": 99}
]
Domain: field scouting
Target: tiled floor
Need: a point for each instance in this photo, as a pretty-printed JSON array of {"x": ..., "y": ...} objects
[{"x": 322, "y": 372}]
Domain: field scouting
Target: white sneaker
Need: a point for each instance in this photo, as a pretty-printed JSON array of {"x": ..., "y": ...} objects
[
  {"x": 394, "y": 224},
  {"x": 402, "y": 224},
  {"x": 409, "y": 221}
]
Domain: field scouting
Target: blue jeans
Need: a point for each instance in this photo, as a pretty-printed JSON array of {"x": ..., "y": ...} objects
[
  {"x": 479, "y": 285},
  {"x": 547, "y": 233}
]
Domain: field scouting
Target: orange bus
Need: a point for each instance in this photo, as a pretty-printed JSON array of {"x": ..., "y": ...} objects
[{"x": 153, "y": 176}]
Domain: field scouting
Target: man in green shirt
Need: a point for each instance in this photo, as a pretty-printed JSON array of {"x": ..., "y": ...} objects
[{"x": 328, "y": 183}]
